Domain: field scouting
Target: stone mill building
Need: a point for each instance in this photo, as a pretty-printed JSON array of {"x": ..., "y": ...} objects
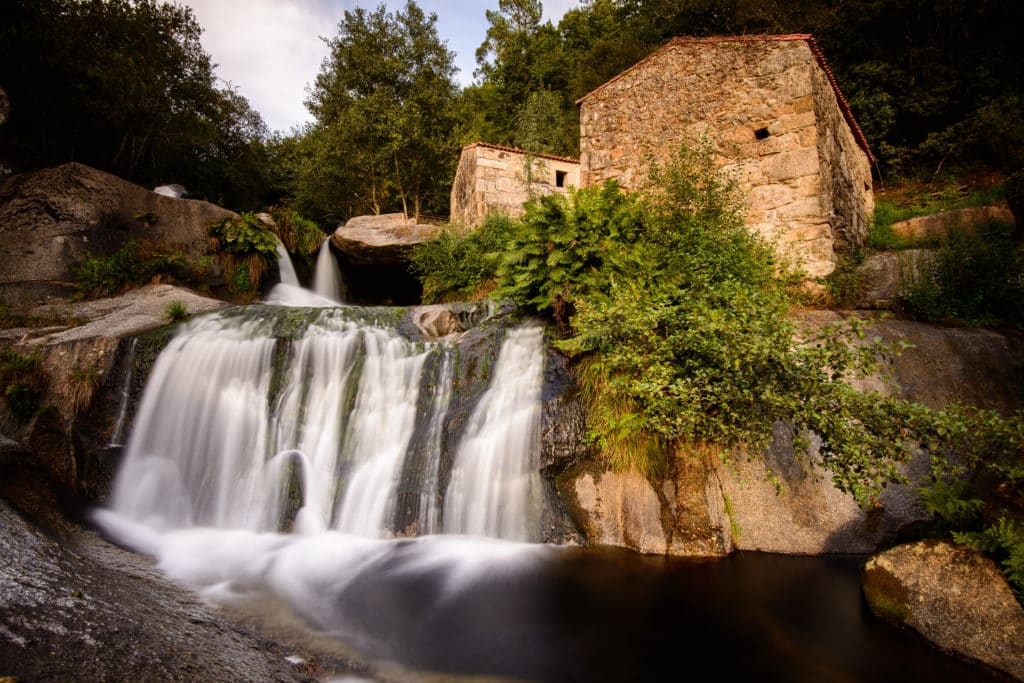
[{"x": 768, "y": 106}]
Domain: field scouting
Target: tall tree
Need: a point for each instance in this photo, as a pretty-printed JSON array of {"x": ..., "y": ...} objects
[
  {"x": 124, "y": 85},
  {"x": 383, "y": 103}
]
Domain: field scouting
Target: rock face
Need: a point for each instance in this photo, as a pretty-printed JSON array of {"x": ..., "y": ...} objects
[
  {"x": 774, "y": 501},
  {"x": 381, "y": 240},
  {"x": 952, "y": 596},
  {"x": 782, "y": 504},
  {"x": 884, "y": 276},
  {"x": 78, "y": 605},
  {"x": 52, "y": 220},
  {"x": 775, "y": 119},
  {"x": 682, "y": 514},
  {"x": 82, "y": 377},
  {"x": 961, "y": 220}
]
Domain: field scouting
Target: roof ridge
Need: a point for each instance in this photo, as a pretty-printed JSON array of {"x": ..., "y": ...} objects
[{"x": 517, "y": 150}]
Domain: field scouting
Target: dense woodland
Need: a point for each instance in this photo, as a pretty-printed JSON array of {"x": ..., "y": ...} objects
[{"x": 124, "y": 85}]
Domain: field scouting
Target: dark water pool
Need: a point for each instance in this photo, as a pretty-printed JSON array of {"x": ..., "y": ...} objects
[{"x": 606, "y": 615}]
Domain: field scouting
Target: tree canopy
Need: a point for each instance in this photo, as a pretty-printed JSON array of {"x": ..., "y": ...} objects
[
  {"x": 383, "y": 110},
  {"x": 125, "y": 86}
]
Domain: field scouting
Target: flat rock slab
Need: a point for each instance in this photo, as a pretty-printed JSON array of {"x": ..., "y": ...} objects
[
  {"x": 382, "y": 239},
  {"x": 968, "y": 219},
  {"x": 954, "y": 597},
  {"x": 136, "y": 311}
]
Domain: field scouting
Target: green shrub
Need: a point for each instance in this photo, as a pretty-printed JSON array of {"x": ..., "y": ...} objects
[
  {"x": 132, "y": 265},
  {"x": 22, "y": 383},
  {"x": 246, "y": 248},
  {"x": 176, "y": 310},
  {"x": 107, "y": 275},
  {"x": 459, "y": 266},
  {"x": 300, "y": 236},
  {"x": 977, "y": 279}
]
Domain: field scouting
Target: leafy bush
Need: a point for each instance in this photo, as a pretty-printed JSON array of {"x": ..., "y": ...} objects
[
  {"x": 22, "y": 383},
  {"x": 977, "y": 279},
  {"x": 300, "y": 236},
  {"x": 458, "y": 266},
  {"x": 246, "y": 248},
  {"x": 134, "y": 263}
]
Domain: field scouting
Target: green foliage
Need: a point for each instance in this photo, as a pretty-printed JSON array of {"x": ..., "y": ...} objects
[
  {"x": 133, "y": 264},
  {"x": 974, "y": 278},
  {"x": 176, "y": 310},
  {"x": 129, "y": 89},
  {"x": 382, "y": 105},
  {"x": 22, "y": 382},
  {"x": 459, "y": 266},
  {"x": 107, "y": 275},
  {"x": 844, "y": 284},
  {"x": 300, "y": 236},
  {"x": 246, "y": 248}
]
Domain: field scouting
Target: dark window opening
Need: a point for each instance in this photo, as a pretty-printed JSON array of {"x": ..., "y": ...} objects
[
  {"x": 560, "y": 178},
  {"x": 761, "y": 133}
]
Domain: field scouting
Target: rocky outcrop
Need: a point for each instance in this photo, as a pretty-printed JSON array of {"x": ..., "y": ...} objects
[
  {"x": 54, "y": 219},
  {"x": 969, "y": 219},
  {"x": 81, "y": 378},
  {"x": 784, "y": 503},
  {"x": 883, "y": 276},
  {"x": 384, "y": 239},
  {"x": 954, "y": 597},
  {"x": 683, "y": 513},
  {"x": 779, "y": 501}
]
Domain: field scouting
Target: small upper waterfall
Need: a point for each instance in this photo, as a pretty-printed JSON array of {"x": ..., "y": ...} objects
[
  {"x": 327, "y": 280},
  {"x": 284, "y": 264},
  {"x": 260, "y": 418}
]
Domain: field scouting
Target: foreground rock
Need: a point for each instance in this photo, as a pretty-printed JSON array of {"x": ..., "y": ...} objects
[
  {"x": 53, "y": 220},
  {"x": 381, "y": 240},
  {"x": 79, "y": 608},
  {"x": 952, "y": 596}
]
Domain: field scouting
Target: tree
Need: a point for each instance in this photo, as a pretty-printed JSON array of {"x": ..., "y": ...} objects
[
  {"x": 125, "y": 86},
  {"x": 383, "y": 107}
]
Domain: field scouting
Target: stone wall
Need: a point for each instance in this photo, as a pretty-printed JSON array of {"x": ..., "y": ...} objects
[
  {"x": 762, "y": 105},
  {"x": 493, "y": 178}
]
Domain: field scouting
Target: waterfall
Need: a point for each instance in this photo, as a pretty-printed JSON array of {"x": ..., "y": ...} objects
[
  {"x": 327, "y": 276},
  {"x": 244, "y": 427},
  {"x": 125, "y": 391},
  {"x": 284, "y": 264},
  {"x": 495, "y": 477}
]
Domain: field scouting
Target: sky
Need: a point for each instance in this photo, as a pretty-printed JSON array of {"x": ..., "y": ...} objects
[{"x": 270, "y": 50}]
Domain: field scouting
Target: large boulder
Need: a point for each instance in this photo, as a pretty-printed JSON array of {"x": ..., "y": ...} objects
[
  {"x": 954, "y": 597},
  {"x": 384, "y": 239},
  {"x": 966, "y": 220},
  {"x": 54, "y": 219}
]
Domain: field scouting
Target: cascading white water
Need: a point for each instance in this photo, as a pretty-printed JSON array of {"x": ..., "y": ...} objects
[
  {"x": 284, "y": 265},
  {"x": 495, "y": 480},
  {"x": 225, "y": 397},
  {"x": 327, "y": 280}
]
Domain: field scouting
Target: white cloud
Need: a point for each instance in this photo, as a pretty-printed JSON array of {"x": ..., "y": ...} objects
[{"x": 271, "y": 51}]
